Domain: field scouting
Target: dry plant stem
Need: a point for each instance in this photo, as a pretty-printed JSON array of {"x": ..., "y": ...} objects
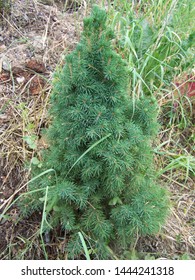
[
  {"x": 46, "y": 30},
  {"x": 170, "y": 237},
  {"x": 44, "y": 110},
  {"x": 14, "y": 27},
  {"x": 7, "y": 176},
  {"x": 9, "y": 200},
  {"x": 173, "y": 5},
  {"x": 176, "y": 182}
]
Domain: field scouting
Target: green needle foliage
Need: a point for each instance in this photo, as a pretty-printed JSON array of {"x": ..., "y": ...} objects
[{"x": 100, "y": 148}]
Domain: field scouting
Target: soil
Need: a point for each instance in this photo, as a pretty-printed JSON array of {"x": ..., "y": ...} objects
[{"x": 34, "y": 38}]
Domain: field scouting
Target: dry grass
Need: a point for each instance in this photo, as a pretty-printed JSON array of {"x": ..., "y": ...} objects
[{"x": 34, "y": 30}]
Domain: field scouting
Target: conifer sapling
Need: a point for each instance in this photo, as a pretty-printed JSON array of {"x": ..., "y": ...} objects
[{"x": 102, "y": 179}]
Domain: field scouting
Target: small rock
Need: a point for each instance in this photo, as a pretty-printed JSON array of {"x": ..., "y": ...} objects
[
  {"x": 2, "y": 48},
  {"x": 6, "y": 65},
  {"x": 20, "y": 80},
  {"x": 38, "y": 42}
]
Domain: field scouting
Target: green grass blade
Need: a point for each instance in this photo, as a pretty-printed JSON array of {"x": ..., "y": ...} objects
[
  {"x": 30, "y": 181},
  {"x": 42, "y": 223},
  {"x": 84, "y": 246},
  {"x": 88, "y": 150}
]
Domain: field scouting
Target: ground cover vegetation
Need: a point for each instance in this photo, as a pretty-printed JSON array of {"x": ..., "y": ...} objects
[{"x": 136, "y": 62}]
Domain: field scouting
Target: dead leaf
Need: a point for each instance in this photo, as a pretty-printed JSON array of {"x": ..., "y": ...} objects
[
  {"x": 4, "y": 77},
  {"x": 36, "y": 66},
  {"x": 36, "y": 85},
  {"x": 43, "y": 142},
  {"x": 186, "y": 86}
]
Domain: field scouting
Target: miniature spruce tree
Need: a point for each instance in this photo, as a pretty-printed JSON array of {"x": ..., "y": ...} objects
[{"x": 102, "y": 180}]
